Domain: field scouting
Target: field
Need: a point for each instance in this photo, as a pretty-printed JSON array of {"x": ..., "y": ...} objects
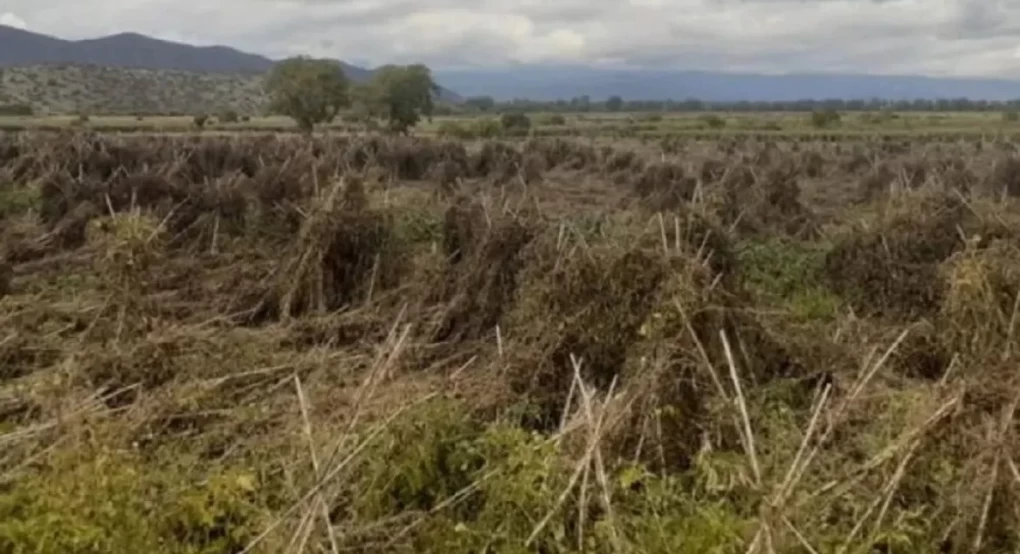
[
  {"x": 252, "y": 342},
  {"x": 611, "y": 127}
]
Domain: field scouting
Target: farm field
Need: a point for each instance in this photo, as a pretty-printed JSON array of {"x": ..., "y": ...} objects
[
  {"x": 259, "y": 342},
  {"x": 615, "y": 126}
]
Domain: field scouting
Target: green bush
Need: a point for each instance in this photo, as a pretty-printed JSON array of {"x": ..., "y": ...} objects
[
  {"x": 16, "y": 200},
  {"x": 515, "y": 479},
  {"x": 516, "y": 124},
  {"x": 487, "y": 128},
  {"x": 788, "y": 273},
  {"x": 113, "y": 502},
  {"x": 200, "y": 120},
  {"x": 17, "y": 110},
  {"x": 1011, "y": 116},
  {"x": 713, "y": 121},
  {"x": 825, "y": 118}
]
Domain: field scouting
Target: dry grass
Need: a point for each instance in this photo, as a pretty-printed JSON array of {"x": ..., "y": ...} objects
[{"x": 281, "y": 344}]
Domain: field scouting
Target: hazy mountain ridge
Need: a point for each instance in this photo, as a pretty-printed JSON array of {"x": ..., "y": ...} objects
[{"x": 564, "y": 82}]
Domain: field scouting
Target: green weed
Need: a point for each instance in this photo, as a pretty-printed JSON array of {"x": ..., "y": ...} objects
[
  {"x": 113, "y": 502},
  {"x": 789, "y": 274}
]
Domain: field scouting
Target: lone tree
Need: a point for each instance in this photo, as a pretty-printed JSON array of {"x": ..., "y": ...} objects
[
  {"x": 614, "y": 103},
  {"x": 401, "y": 95},
  {"x": 307, "y": 90}
]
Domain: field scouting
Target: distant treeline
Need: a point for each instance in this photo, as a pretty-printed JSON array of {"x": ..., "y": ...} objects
[{"x": 618, "y": 104}]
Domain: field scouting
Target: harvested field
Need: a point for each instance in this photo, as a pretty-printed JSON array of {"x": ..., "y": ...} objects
[{"x": 273, "y": 343}]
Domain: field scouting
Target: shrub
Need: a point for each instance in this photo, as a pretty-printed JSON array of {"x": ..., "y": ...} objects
[
  {"x": 22, "y": 110},
  {"x": 200, "y": 120},
  {"x": 454, "y": 129},
  {"x": 18, "y": 200},
  {"x": 713, "y": 121},
  {"x": 554, "y": 120},
  {"x": 488, "y": 128},
  {"x": 1011, "y": 116},
  {"x": 825, "y": 118},
  {"x": 229, "y": 116},
  {"x": 789, "y": 273},
  {"x": 515, "y": 123},
  {"x": 114, "y": 503}
]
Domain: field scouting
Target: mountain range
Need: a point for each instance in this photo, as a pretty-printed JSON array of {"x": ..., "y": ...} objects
[
  {"x": 20, "y": 48},
  {"x": 548, "y": 83},
  {"x": 143, "y": 57}
]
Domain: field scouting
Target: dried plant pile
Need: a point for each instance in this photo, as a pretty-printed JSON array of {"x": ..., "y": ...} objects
[{"x": 394, "y": 344}]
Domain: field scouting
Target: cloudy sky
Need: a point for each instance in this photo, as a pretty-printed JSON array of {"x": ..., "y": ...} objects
[{"x": 932, "y": 37}]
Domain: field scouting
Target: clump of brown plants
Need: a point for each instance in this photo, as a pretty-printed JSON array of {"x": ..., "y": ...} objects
[{"x": 327, "y": 343}]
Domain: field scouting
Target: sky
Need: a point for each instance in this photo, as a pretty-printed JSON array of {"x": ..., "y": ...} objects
[{"x": 918, "y": 37}]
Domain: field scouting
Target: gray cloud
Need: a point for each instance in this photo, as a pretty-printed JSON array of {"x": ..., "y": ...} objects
[{"x": 938, "y": 37}]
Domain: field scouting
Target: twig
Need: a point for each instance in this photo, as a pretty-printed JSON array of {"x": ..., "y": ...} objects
[
  {"x": 748, "y": 434},
  {"x": 302, "y": 401}
]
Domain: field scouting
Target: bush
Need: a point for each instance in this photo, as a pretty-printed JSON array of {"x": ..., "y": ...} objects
[
  {"x": 554, "y": 120},
  {"x": 1011, "y": 116},
  {"x": 487, "y": 128},
  {"x": 713, "y": 121},
  {"x": 788, "y": 273},
  {"x": 825, "y": 118},
  {"x": 200, "y": 120},
  {"x": 229, "y": 116},
  {"x": 515, "y": 123},
  {"x": 454, "y": 129},
  {"x": 114, "y": 503},
  {"x": 22, "y": 110}
]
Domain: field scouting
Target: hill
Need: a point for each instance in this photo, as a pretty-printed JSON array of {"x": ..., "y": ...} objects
[
  {"x": 97, "y": 89},
  {"x": 129, "y": 72},
  {"x": 553, "y": 83}
]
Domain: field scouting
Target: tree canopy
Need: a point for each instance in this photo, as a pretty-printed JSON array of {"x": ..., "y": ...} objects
[
  {"x": 308, "y": 90},
  {"x": 401, "y": 95}
]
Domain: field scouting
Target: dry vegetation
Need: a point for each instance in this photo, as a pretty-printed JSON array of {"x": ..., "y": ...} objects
[
  {"x": 276, "y": 344},
  {"x": 68, "y": 89}
]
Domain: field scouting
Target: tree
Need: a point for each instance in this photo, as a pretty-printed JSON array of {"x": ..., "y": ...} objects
[
  {"x": 307, "y": 90},
  {"x": 401, "y": 94},
  {"x": 614, "y": 103},
  {"x": 481, "y": 103}
]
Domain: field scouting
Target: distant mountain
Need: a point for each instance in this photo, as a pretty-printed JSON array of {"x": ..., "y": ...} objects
[
  {"x": 20, "y": 48},
  {"x": 131, "y": 50},
  {"x": 564, "y": 82}
]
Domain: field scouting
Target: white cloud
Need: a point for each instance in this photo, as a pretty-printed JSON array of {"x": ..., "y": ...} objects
[
  {"x": 937, "y": 37},
  {"x": 12, "y": 20}
]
